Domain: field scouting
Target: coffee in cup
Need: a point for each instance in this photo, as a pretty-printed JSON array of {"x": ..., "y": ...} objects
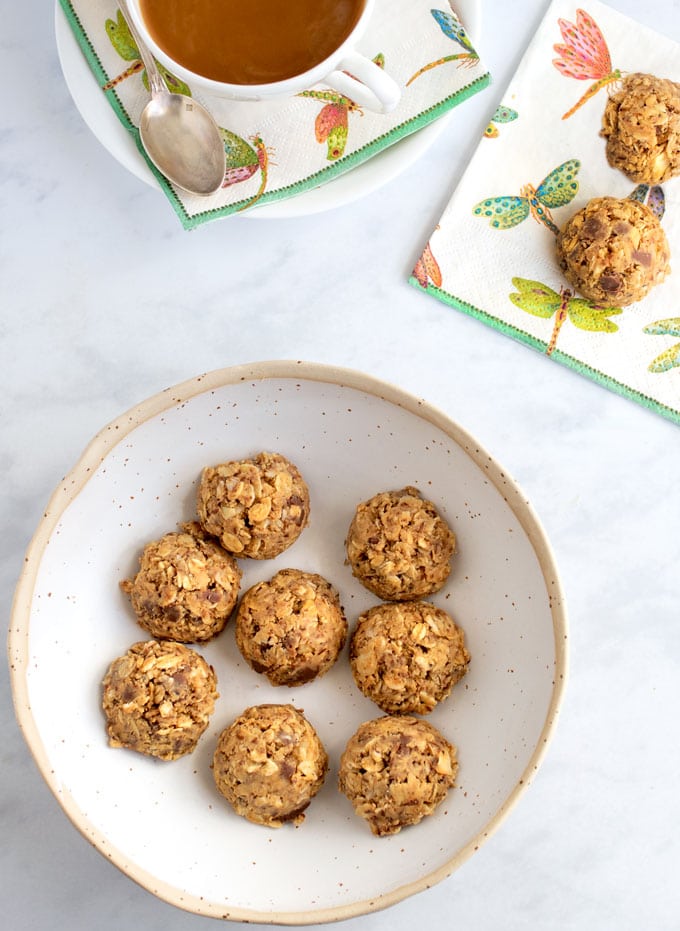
[
  {"x": 257, "y": 49},
  {"x": 250, "y": 42}
]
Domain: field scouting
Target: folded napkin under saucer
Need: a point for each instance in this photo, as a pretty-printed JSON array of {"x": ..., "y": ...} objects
[
  {"x": 277, "y": 149},
  {"x": 547, "y": 127}
]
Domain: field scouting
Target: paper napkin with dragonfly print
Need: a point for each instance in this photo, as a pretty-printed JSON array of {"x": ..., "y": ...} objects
[
  {"x": 542, "y": 158},
  {"x": 277, "y": 149}
]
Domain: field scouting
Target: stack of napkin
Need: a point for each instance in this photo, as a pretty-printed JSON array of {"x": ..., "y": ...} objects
[{"x": 277, "y": 149}]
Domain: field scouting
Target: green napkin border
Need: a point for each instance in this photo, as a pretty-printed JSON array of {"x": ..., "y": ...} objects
[
  {"x": 540, "y": 346},
  {"x": 346, "y": 163}
]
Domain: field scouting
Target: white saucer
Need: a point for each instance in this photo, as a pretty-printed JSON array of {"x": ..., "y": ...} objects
[{"x": 103, "y": 122}]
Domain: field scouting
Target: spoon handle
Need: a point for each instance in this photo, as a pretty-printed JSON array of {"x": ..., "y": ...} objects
[{"x": 156, "y": 82}]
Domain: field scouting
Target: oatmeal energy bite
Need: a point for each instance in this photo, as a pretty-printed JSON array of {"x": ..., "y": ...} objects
[
  {"x": 269, "y": 764},
  {"x": 399, "y": 547},
  {"x": 291, "y": 627},
  {"x": 158, "y": 698},
  {"x": 256, "y": 507},
  {"x": 395, "y": 770},
  {"x": 407, "y": 657},
  {"x": 641, "y": 124},
  {"x": 613, "y": 251},
  {"x": 186, "y": 587}
]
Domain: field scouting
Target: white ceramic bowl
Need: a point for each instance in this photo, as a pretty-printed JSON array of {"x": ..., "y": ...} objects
[{"x": 163, "y": 823}]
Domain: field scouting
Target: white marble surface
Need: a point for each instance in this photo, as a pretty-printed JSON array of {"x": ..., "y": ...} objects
[{"x": 105, "y": 300}]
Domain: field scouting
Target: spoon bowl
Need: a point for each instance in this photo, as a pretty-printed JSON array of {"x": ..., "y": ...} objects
[
  {"x": 183, "y": 142},
  {"x": 179, "y": 135}
]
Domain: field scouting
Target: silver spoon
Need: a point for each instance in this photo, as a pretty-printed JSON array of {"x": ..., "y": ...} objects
[{"x": 179, "y": 135}]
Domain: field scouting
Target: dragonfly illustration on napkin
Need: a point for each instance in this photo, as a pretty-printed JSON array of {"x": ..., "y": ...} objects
[
  {"x": 584, "y": 55},
  {"x": 651, "y": 195},
  {"x": 557, "y": 189},
  {"x": 244, "y": 160},
  {"x": 502, "y": 114},
  {"x": 427, "y": 269},
  {"x": 453, "y": 29},
  {"x": 669, "y": 358},
  {"x": 121, "y": 39},
  {"x": 538, "y": 299},
  {"x": 332, "y": 123}
]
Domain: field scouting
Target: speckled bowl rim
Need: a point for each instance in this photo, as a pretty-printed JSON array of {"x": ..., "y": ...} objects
[{"x": 95, "y": 453}]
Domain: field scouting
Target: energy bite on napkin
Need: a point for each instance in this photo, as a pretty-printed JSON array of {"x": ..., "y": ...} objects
[
  {"x": 256, "y": 507},
  {"x": 613, "y": 251},
  {"x": 557, "y": 102},
  {"x": 186, "y": 587},
  {"x": 395, "y": 770},
  {"x": 641, "y": 124},
  {"x": 407, "y": 657},
  {"x": 158, "y": 699},
  {"x": 269, "y": 764},
  {"x": 398, "y": 545},
  {"x": 291, "y": 628}
]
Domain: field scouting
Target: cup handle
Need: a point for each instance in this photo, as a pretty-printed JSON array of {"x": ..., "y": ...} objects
[{"x": 366, "y": 84}]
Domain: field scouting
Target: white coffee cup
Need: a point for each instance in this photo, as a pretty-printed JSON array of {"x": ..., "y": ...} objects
[{"x": 347, "y": 71}]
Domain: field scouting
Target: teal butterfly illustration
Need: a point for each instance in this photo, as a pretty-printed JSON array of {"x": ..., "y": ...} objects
[
  {"x": 539, "y": 300},
  {"x": 669, "y": 358},
  {"x": 452, "y": 28},
  {"x": 556, "y": 190}
]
